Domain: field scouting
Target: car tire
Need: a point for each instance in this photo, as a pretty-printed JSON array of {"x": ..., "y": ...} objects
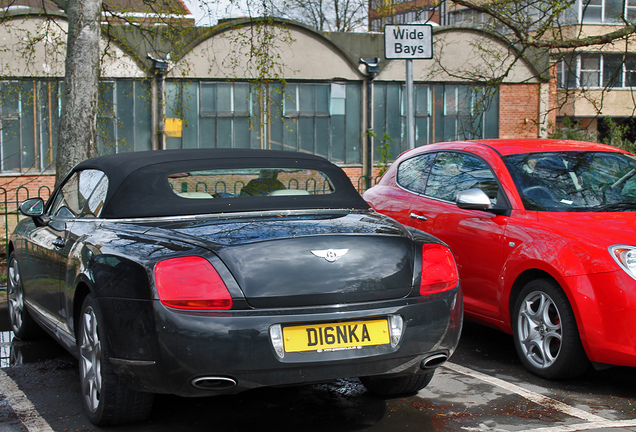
[
  {"x": 107, "y": 399},
  {"x": 22, "y": 324},
  {"x": 545, "y": 332},
  {"x": 396, "y": 385}
]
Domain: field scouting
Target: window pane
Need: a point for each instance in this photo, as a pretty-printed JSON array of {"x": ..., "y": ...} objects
[
  {"x": 92, "y": 184},
  {"x": 442, "y": 181},
  {"x": 421, "y": 100},
  {"x": 338, "y": 98},
  {"x": 613, "y": 11},
  {"x": 464, "y": 100},
  {"x": 593, "y": 11},
  {"x": 631, "y": 10},
  {"x": 208, "y": 98},
  {"x": 307, "y": 99},
  {"x": 290, "y": 100},
  {"x": 450, "y": 100},
  {"x": 71, "y": 201},
  {"x": 224, "y": 101},
  {"x": 412, "y": 173},
  {"x": 630, "y": 71},
  {"x": 322, "y": 99},
  {"x": 241, "y": 99},
  {"x": 590, "y": 70},
  {"x": 125, "y": 116},
  {"x": 249, "y": 182},
  {"x": 143, "y": 114},
  {"x": 456, "y": 172},
  {"x": 612, "y": 70}
]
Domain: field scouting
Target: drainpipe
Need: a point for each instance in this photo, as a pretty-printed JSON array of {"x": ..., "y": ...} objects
[{"x": 373, "y": 67}]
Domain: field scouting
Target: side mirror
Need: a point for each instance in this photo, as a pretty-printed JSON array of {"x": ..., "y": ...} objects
[
  {"x": 473, "y": 199},
  {"x": 33, "y": 207}
]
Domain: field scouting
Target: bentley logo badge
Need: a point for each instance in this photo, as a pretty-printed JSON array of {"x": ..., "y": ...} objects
[{"x": 330, "y": 254}]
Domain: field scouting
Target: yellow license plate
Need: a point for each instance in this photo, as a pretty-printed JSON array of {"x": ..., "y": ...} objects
[{"x": 336, "y": 336}]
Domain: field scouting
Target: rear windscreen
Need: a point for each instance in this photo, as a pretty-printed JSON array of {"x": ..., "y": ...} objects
[{"x": 249, "y": 182}]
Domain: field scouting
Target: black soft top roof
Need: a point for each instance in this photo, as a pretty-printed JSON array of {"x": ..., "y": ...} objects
[{"x": 138, "y": 182}]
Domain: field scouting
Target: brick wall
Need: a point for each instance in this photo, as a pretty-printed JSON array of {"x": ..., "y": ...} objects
[
  {"x": 355, "y": 174},
  {"x": 19, "y": 188},
  {"x": 519, "y": 111}
]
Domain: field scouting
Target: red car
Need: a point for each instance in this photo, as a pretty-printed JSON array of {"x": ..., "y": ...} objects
[{"x": 543, "y": 232}]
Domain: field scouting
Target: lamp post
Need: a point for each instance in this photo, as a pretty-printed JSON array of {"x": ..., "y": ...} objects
[
  {"x": 160, "y": 66},
  {"x": 373, "y": 67}
]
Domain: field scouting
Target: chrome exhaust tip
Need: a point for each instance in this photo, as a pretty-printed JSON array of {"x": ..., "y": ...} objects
[
  {"x": 431, "y": 362},
  {"x": 213, "y": 383}
]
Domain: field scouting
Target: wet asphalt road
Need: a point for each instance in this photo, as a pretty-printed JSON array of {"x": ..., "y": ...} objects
[{"x": 482, "y": 388}]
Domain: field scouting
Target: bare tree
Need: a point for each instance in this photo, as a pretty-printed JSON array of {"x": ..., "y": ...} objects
[
  {"x": 324, "y": 15},
  {"x": 78, "y": 124},
  {"x": 546, "y": 23}
]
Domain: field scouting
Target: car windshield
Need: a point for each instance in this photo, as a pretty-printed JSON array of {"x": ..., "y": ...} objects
[
  {"x": 249, "y": 182},
  {"x": 575, "y": 181}
]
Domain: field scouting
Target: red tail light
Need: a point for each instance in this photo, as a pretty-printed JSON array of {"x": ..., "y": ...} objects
[
  {"x": 439, "y": 272},
  {"x": 191, "y": 283}
]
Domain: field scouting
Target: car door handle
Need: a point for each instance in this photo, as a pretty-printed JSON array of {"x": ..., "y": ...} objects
[
  {"x": 418, "y": 217},
  {"x": 59, "y": 243}
]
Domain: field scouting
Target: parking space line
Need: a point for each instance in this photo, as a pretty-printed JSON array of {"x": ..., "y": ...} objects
[
  {"x": 532, "y": 396},
  {"x": 22, "y": 406},
  {"x": 607, "y": 424}
]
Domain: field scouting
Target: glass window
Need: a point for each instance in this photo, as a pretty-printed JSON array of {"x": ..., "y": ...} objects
[
  {"x": 68, "y": 202},
  {"x": 592, "y": 11},
  {"x": 575, "y": 181},
  {"x": 614, "y": 11},
  {"x": 29, "y": 113},
  {"x": 223, "y": 99},
  {"x": 124, "y": 116},
  {"x": 630, "y": 10},
  {"x": 562, "y": 74},
  {"x": 82, "y": 188},
  {"x": 412, "y": 173},
  {"x": 602, "y": 11},
  {"x": 338, "y": 99},
  {"x": 307, "y": 100},
  {"x": 612, "y": 70},
  {"x": 93, "y": 184},
  {"x": 442, "y": 113},
  {"x": 452, "y": 173},
  {"x": 590, "y": 72},
  {"x": 249, "y": 182},
  {"x": 630, "y": 70}
]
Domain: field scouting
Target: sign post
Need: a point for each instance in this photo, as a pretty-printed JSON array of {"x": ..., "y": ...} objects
[{"x": 409, "y": 41}]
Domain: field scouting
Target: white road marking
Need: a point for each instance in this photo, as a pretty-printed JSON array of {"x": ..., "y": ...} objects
[
  {"x": 606, "y": 424},
  {"x": 594, "y": 421},
  {"x": 22, "y": 406}
]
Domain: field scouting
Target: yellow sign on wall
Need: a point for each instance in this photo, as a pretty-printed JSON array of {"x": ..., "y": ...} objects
[{"x": 174, "y": 127}]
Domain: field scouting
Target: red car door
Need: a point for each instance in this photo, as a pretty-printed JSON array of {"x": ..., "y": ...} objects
[{"x": 476, "y": 237}]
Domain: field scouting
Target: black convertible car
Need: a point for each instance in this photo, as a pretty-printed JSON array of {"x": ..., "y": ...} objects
[{"x": 206, "y": 272}]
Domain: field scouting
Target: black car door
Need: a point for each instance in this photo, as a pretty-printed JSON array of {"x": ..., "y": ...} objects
[{"x": 49, "y": 245}]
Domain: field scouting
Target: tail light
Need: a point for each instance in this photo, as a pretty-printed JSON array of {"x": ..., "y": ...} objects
[
  {"x": 191, "y": 283},
  {"x": 439, "y": 272}
]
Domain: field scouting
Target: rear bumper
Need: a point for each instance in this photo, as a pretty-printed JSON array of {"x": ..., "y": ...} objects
[{"x": 183, "y": 348}]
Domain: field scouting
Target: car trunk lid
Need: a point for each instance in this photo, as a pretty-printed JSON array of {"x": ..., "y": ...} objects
[{"x": 295, "y": 261}]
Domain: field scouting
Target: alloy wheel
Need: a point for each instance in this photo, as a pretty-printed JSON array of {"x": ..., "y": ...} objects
[
  {"x": 540, "y": 330},
  {"x": 90, "y": 360},
  {"x": 15, "y": 295}
]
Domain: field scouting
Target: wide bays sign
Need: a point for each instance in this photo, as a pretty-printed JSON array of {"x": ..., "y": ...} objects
[{"x": 408, "y": 41}]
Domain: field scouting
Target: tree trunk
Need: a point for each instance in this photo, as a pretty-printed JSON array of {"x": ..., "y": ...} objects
[{"x": 78, "y": 123}]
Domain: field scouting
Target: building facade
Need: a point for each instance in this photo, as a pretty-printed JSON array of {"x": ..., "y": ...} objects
[
  {"x": 167, "y": 87},
  {"x": 594, "y": 84}
]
